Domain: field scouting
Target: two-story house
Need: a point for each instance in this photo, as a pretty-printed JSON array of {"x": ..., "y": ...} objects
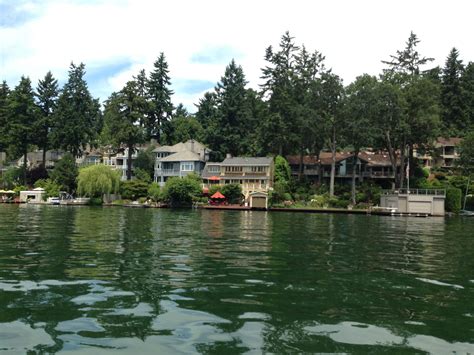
[
  {"x": 179, "y": 160},
  {"x": 369, "y": 165}
]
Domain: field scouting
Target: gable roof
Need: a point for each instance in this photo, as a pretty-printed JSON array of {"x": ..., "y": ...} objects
[
  {"x": 251, "y": 161},
  {"x": 182, "y": 156}
]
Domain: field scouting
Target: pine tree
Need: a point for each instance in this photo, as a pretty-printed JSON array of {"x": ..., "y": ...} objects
[
  {"x": 234, "y": 109},
  {"x": 4, "y": 95},
  {"x": 47, "y": 96},
  {"x": 407, "y": 61},
  {"x": 78, "y": 116},
  {"x": 22, "y": 116},
  {"x": 453, "y": 106},
  {"x": 159, "y": 93},
  {"x": 467, "y": 83},
  {"x": 279, "y": 89},
  {"x": 122, "y": 121}
]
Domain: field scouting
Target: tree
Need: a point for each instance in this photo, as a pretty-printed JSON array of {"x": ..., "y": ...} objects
[
  {"x": 232, "y": 192},
  {"x": 234, "y": 110},
  {"x": 22, "y": 116},
  {"x": 209, "y": 117},
  {"x": 159, "y": 93},
  {"x": 122, "y": 121},
  {"x": 467, "y": 83},
  {"x": 65, "y": 173},
  {"x": 407, "y": 61},
  {"x": 452, "y": 100},
  {"x": 4, "y": 96},
  {"x": 78, "y": 117},
  {"x": 97, "y": 180},
  {"x": 47, "y": 96},
  {"x": 145, "y": 161},
  {"x": 329, "y": 100},
  {"x": 466, "y": 154},
  {"x": 359, "y": 115},
  {"x": 279, "y": 89}
]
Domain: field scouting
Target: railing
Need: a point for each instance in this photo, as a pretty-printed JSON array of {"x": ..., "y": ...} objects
[
  {"x": 167, "y": 172},
  {"x": 404, "y": 191}
]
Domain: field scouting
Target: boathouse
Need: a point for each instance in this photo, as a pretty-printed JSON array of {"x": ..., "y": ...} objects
[{"x": 414, "y": 201}]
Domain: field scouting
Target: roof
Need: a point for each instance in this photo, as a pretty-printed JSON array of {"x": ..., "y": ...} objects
[
  {"x": 190, "y": 145},
  {"x": 325, "y": 158},
  {"x": 250, "y": 161},
  {"x": 182, "y": 156},
  {"x": 443, "y": 142}
]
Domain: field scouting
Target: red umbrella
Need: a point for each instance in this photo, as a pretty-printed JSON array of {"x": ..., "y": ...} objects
[
  {"x": 214, "y": 178},
  {"x": 218, "y": 195}
]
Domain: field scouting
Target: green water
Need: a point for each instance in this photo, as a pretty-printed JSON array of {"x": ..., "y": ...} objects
[{"x": 145, "y": 281}]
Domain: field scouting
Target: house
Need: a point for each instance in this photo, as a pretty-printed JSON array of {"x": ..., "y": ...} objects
[
  {"x": 179, "y": 160},
  {"x": 446, "y": 152},
  {"x": 442, "y": 154},
  {"x": 252, "y": 174},
  {"x": 90, "y": 157},
  {"x": 369, "y": 165},
  {"x": 35, "y": 159}
]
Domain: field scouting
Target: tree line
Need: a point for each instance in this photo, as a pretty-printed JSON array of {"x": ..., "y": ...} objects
[{"x": 301, "y": 107}]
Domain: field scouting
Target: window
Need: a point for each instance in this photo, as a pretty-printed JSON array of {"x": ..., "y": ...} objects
[
  {"x": 233, "y": 169},
  {"x": 187, "y": 166},
  {"x": 214, "y": 169},
  {"x": 258, "y": 169}
]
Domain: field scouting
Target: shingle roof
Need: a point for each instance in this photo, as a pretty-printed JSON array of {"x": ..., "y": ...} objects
[
  {"x": 251, "y": 161},
  {"x": 182, "y": 156}
]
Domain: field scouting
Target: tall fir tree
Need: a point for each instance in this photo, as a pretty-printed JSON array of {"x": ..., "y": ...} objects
[
  {"x": 122, "y": 121},
  {"x": 77, "y": 119},
  {"x": 22, "y": 116},
  {"x": 278, "y": 88},
  {"x": 4, "y": 95},
  {"x": 467, "y": 83},
  {"x": 452, "y": 100},
  {"x": 47, "y": 97},
  {"x": 234, "y": 109},
  {"x": 159, "y": 94}
]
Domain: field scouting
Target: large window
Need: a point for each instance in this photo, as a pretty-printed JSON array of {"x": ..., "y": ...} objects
[
  {"x": 233, "y": 169},
  {"x": 214, "y": 168},
  {"x": 187, "y": 166},
  {"x": 258, "y": 169}
]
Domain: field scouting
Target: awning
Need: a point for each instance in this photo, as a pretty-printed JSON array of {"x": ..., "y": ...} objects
[
  {"x": 218, "y": 195},
  {"x": 214, "y": 178}
]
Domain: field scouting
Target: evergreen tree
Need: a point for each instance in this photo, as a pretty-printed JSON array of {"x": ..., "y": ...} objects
[
  {"x": 22, "y": 116},
  {"x": 159, "y": 93},
  {"x": 122, "y": 121},
  {"x": 4, "y": 96},
  {"x": 278, "y": 88},
  {"x": 234, "y": 109},
  {"x": 47, "y": 95},
  {"x": 452, "y": 100},
  {"x": 467, "y": 83},
  {"x": 407, "y": 61},
  {"x": 77, "y": 119},
  {"x": 359, "y": 115},
  {"x": 209, "y": 117}
]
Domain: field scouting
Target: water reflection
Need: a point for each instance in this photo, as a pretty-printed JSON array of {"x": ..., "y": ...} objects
[{"x": 101, "y": 280}]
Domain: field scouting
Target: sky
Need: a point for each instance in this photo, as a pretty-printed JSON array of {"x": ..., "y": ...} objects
[{"x": 117, "y": 38}]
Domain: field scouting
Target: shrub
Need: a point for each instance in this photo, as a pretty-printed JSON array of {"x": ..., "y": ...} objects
[
  {"x": 133, "y": 189},
  {"x": 154, "y": 192},
  {"x": 232, "y": 192},
  {"x": 453, "y": 200},
  {"x": 180, "y": 191},
  {"x": 142, "y": 175},
  {"x": 95, "y": 201},
  {"x": 51, "y": 187}
]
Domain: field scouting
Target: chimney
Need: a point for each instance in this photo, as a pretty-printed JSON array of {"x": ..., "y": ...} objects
[{"x": 228, "y": 156}]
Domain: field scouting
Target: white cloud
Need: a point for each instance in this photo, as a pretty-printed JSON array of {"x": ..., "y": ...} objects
[{"x": 353, "y": 35}]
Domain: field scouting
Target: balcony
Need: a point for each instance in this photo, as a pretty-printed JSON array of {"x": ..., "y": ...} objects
[{"x": 167, "y": 172}]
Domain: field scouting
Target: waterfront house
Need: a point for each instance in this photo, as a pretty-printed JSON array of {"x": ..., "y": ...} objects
[
  {"x": 179, "y": 160},
  {"x": 35, "y": 159},
  {"x": 369, "y": 165},
  {"x": 251, "y": 173},
  {"x": 441, "y": 154}
]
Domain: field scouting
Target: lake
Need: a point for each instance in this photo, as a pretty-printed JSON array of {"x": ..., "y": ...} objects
[{"x": 148, "y": 281}]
